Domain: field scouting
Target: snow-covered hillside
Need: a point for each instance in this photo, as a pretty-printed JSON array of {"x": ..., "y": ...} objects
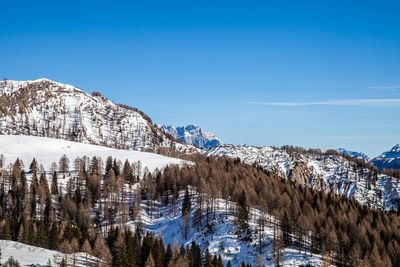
[
  {"x": 49, "y": 150},
  {"x": 221, "y": 237},
  {"x": 166, "y": 220},
  {"x": 31, "y": 255},
  {"x": 323, "y": 172},
  {"x": 389, "y": 159},
  {"x": 51, "y": 109},
  {"x": 193, "y": 135}
]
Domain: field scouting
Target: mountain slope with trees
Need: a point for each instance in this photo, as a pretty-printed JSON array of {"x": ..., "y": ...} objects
[
  {"x": 112, "y": 215},
  {"x": 50, "y": 109},
  {"x": 328, "y": 171}
]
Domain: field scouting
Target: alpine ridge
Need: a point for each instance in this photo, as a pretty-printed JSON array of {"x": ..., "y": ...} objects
[
  {"x": 192, "y": 135},
  {"x": 355, "y": 154},
  {"x": 329, "y": 171},
  {"x": 389, "y": 159},
  {"x": 50, "y": 109}
]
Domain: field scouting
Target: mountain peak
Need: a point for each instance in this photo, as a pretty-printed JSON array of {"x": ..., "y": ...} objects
[
  {"x": 352, "y": 153},
  {"x": 47, "y": 108},
  {"x": 192, "y": 134},
  {"x": 389, "y": 159},
  {"x": 395, "y": 149}
]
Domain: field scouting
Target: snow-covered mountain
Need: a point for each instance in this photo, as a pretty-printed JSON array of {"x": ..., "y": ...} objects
[
  {"x": 193, "y": 135},
  {"x": 330, "y": 172},
  {"x": 51, "y": 109},
  {"x": 389, "y": 159},
  {"x": 355, "y": 154}
]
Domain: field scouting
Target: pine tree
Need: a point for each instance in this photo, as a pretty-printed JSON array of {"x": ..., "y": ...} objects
[
  {"x": 109, "y": 164},
  {"x": 186, "y": 205},
  {"x": 53, "y": 237},
  {"x": 33, "y": 166},
  {"x": 127, "y": 172},
  {"x": 94, "y": 166},
  {"x": 115, "y": 166},
  {"x": 286, "y": 230},
  {"x": 54, "y": 184},
  {"x": 242, "y": 213},
  {"x": 63, "y": 164}
]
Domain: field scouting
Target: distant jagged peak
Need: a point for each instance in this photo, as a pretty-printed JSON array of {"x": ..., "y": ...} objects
[
  {"x": 395, "y": 149},
  {"x": 394, "y": 152},
  {"x": 389, "y": 159},
  {"x": 192, "y": 134},
  {"x": 352, "y": 153}
]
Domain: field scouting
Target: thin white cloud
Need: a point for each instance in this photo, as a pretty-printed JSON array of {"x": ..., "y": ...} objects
[
  {"x": 348, "y": 102},
  {"x": 393, "y": 87}
]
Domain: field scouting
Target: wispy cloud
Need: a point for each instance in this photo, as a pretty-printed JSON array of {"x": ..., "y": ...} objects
[
  {"x": 347, "y": 102},
  {"x": 388, "y": 88}
]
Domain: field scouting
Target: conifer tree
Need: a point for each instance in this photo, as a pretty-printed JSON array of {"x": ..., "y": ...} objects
[
  {"x": 127, "y": 172},
  {"x": 33, "y": 166},
  {"x": 242, "y": 213},
  {"x": 109, "y": 164},
  {"x": 63, "y": 164},
  {"x": 54, "y": 184}
]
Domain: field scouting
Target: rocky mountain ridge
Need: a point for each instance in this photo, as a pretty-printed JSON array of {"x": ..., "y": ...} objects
[
  {"x": 50, "y": 109},
  {"x": 329, "y": 171},
  {"x": 389, "y": 159},
  {"x": 192, "y": 135}
]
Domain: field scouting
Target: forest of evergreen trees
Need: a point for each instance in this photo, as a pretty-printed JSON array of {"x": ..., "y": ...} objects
[{"x": 90, "y": 213}]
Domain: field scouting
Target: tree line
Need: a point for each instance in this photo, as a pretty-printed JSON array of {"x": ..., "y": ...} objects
[{"x": 90, "y": 212}]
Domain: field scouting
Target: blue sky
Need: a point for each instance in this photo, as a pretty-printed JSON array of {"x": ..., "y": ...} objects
[{"x": 310, "y": 73}]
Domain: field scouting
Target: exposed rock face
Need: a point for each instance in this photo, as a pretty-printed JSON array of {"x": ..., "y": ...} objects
[
  {"x": 50, "y": 109},
  {"x": 193, "y": 135},
  {"x": 331, "y": 172},
  {"x": 389, "y": 159}
]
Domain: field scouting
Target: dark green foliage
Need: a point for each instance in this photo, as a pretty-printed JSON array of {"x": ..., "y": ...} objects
[
  {"x": 127, "y": 172},
  {"x": 242, "y": 213},
  {"x": 186, "y": 205},
  {"x": 115, "y": 167}
]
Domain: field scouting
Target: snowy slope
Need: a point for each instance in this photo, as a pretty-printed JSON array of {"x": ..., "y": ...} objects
[
  {"x": 330, "y": 173},
  {"x": 389, "y": 159},
  {"x": 27, "y": 255},
  {"x": 193, "y": 135},
  {"x": 223, "y": 239},
  {"x": 49, "y": 150},
  {"x": 51, "y": 109}
]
